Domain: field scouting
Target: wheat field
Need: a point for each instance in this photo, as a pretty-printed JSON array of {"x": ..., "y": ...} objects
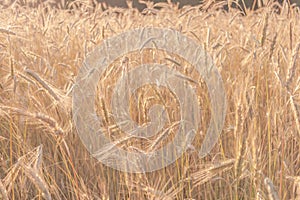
[{"x": 43, "y": 47}]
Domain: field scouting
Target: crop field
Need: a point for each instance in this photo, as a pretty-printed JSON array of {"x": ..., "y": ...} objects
[{"x": 44, "y": 45}]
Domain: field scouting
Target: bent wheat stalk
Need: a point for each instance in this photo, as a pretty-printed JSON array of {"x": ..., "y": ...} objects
[{"x": 40, "y": 116}]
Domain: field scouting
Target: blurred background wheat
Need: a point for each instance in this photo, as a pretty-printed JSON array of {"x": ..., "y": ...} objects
[{"x": 42, "y": 47}]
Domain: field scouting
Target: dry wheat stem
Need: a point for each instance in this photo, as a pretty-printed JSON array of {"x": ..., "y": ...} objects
[
  {"x": 6, "y": 31},
  {"x": 202, "y": 176},
  {"x": 3, "y": 191},
  {"x": 297, "y": 188},
  {"x": 292, "y": 68},
  {"x": 36, "y": 178},
  {"x": 163, "y": 135},
  {"x": 272, "y": 193},
  {"x": 264, "y": 32},
  {"x": 40, "y": 116},
  {"x": 12, "y": 175},
  {"x": 43, "y": 83},
  {"x": 295, "y": 114}
]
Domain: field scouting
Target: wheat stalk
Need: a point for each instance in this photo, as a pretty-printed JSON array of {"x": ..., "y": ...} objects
[
  {"x": 40, "y": 116},
  {"x": 163, "y": 135},
  {"x": 296, "y": 113},
  {"x": 43, "y": 83},
  {"x": 297, "y": 186},
  {"x": 272, "y": 193},
  {"x": 264, "y": 32},
  {"x": 34, "y": 175},
  {"x": 292, "y": 68},
  {"x": 202, "y": 176},
  {"x": 3, "y": 191}
]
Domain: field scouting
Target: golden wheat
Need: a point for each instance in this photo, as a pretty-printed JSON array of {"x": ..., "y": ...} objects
[{"x": 257, "y": 53}]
